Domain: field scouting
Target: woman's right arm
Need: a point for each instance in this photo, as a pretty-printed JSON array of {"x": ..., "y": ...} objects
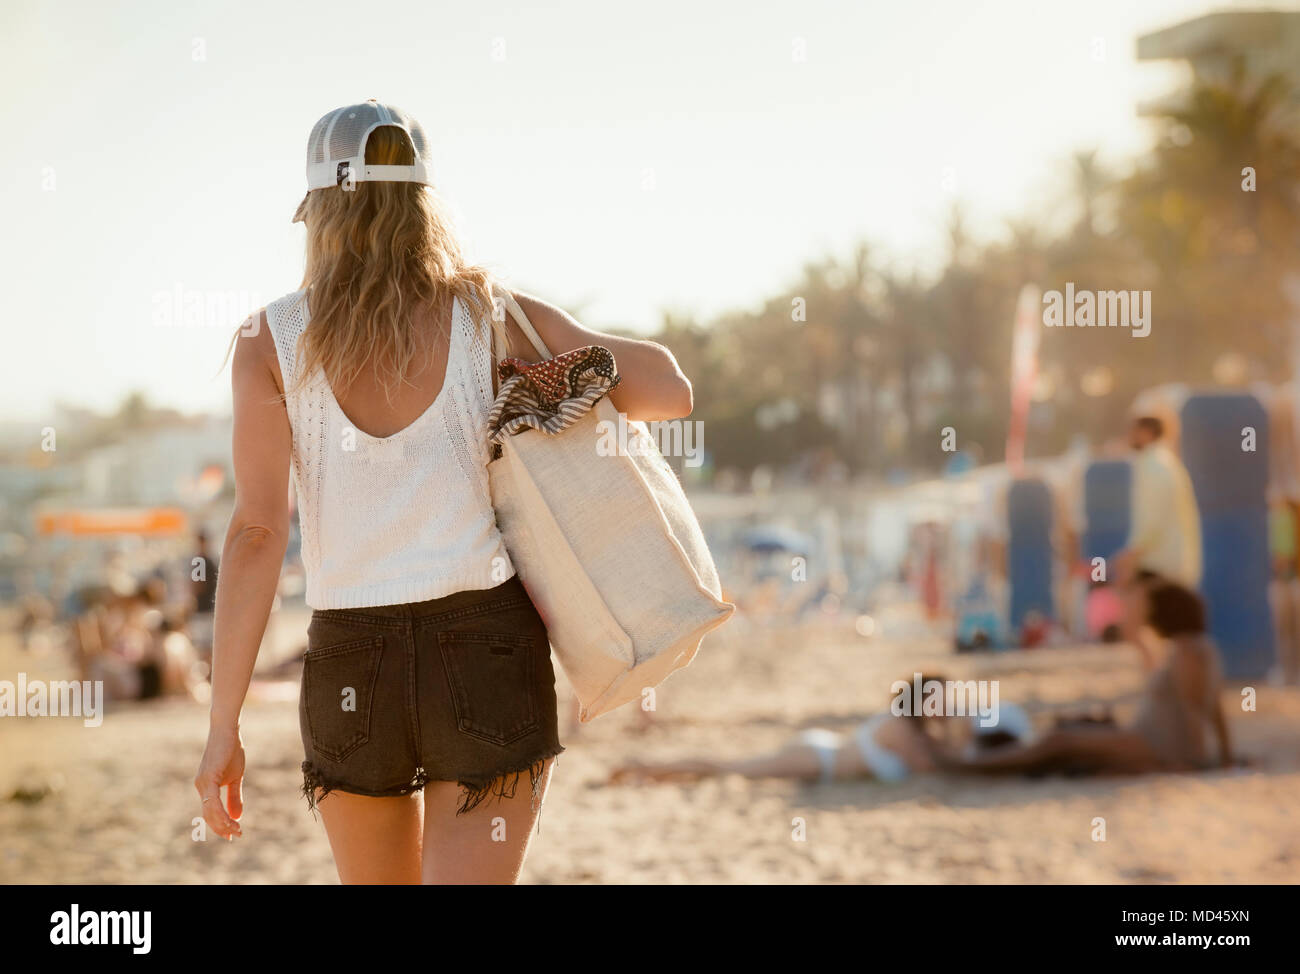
[
  {"x": 250, "y": 565},
  {"x": 652, "y": 386}
]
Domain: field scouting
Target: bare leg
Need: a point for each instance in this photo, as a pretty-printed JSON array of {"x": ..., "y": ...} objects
[
  {"x": 374, "y": 840},
  {"x": 485, "y": 845},
  {"x": 795, "y": 761},
  {"x": 1100, "y": 749},
  {"x": 697, "y": 767}
]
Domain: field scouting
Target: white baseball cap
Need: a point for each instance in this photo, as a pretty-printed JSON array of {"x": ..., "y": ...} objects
[{"x": 336, "y": 149}]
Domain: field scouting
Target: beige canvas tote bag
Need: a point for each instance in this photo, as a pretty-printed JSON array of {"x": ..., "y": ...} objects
[{"x": 608, "y": 548}]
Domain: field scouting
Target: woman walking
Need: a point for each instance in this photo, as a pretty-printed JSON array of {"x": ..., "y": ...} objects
[{"x": 428, "y": 709}]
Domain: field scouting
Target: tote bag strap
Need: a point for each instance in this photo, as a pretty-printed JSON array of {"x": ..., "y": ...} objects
[{"x": 525, "y": 326}]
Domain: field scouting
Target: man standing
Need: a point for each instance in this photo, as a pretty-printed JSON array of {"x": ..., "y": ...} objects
[{"x": 1165, "y": 536}]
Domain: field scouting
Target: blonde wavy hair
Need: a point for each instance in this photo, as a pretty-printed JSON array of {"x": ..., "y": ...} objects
[{"x": 376, "y": 256}]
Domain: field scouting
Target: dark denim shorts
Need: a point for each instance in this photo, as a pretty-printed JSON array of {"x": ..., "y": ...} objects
[{"x": 453, "y": 689}]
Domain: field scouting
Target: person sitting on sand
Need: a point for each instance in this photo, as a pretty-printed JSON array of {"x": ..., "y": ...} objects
[
  {"x": 885, "y": 747},
  {"x": 1179, "y": 704}
]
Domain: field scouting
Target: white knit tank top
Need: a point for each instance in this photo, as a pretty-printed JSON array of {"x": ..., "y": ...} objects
[{"x": 403, "y": 518}]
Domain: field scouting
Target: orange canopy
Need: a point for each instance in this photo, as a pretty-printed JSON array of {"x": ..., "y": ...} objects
[{"x": 153, "y": 521}]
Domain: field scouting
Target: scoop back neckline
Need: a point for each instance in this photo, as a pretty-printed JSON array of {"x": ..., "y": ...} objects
[{"x": 432, "y": 408}]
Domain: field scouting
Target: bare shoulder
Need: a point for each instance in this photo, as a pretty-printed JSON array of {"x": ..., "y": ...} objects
[
  {"x": 542, "y": 312},
  {"x": 556, "y": 327},
  {"x": 255, "y": 356}
]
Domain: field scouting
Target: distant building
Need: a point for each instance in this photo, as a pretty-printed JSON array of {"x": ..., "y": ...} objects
[
  {"x": 1264, "y": 42},
  {"x": 156, "y": 467}
]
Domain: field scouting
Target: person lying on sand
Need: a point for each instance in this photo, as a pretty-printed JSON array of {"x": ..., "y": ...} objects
[
  {"x": 885, "y": 747},
  {"x": 1178, "y": 710}
]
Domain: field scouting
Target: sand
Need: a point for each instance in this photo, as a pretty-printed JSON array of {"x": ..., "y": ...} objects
[{"x": 115, "y": 804}]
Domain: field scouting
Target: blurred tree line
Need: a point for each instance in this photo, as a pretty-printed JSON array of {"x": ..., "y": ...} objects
[{"x": 885, "y": 360}]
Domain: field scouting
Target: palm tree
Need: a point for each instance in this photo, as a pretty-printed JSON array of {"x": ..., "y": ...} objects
[{"x": 1221, "y": 253}]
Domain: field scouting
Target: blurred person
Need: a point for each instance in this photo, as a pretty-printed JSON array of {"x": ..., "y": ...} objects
[
  {"x": 117, "y": 576},
  {"x": 125, "y": 661},
  {"x": 87, "y": 629},
  {"x": 150, "y": 666},
  {"x": 978, "y": 623},
  {"x": 428, "y": 689},
  {"x": 981, "y": 620},
  {"x": 142, "y": 642},
  {"x": 35, "y": 615},
  {"x": 927, "y": 541},
  {"x": 182, "y": 672},
  {"x": 1036, "y": 627},
  {"x": 203, "y": 591},
  {"x": 886, "y": 747},
  {"x": 1165, "y": 536},
  {"x": 1104, "y": 612},
  {"x": 154, "y": 589},
  {"x": 1284, "y": 589},
  {"x": 1035, "y": 630},
  {"x": 1178, "y": 712},
  {"x": 1135, "y": 626},
  {"x": 1013, "y": 725}
]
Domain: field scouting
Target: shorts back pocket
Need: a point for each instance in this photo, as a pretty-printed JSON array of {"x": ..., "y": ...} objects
[
  {"x": 493, "y": 678},
  {"x": 338, "y": 686}
]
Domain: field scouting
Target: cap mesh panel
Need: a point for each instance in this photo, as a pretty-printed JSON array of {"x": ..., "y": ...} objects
[
  {"x": 345, "y": 140},
  {"x": 338, "y": 135}
]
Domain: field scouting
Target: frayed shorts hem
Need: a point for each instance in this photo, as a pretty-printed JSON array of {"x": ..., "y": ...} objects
[{"x": 474, "y": 791}]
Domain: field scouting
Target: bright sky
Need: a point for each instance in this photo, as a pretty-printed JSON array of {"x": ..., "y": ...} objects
[{"x": 620, "y": 159}]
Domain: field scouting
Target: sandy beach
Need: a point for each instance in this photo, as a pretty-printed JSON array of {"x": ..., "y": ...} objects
[{"x": 115, "y": 804}]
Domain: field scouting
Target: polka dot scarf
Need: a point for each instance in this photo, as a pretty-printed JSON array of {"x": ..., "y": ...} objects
[{"x": 549, "y": 396}]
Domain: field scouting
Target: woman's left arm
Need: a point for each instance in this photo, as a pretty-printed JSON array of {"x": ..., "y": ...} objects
[{"x": 651, "y": 385}]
